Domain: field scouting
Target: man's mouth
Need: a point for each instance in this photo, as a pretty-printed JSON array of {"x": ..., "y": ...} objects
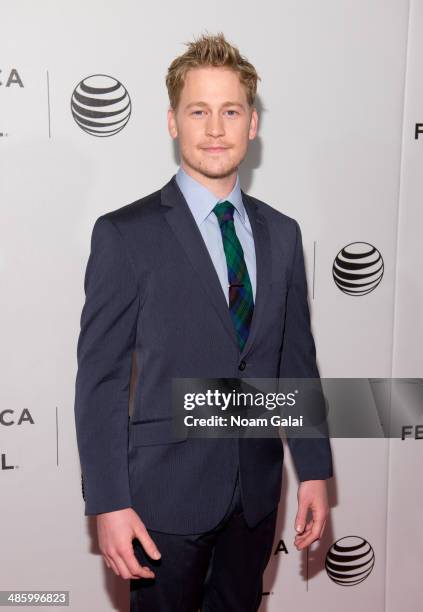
[{"x": 215, "y": 149}]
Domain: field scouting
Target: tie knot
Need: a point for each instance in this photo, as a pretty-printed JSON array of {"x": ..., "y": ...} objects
[{"x": 224, "y": 211}]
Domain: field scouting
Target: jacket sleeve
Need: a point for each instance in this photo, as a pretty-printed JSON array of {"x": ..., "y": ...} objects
[
  {"x": 312, "y": 456},
  {"x": 104, "y": 355}
]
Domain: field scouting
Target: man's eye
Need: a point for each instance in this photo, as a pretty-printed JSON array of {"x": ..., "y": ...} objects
[
  {"x": 233, "y": 111},
  {"x": 196, "y": 112}
]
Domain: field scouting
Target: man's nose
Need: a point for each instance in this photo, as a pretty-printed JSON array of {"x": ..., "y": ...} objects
[{"x": 215, "y": 126}]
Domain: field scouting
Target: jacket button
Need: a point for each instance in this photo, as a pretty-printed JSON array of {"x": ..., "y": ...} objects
[{"x": 242, "y": 365}]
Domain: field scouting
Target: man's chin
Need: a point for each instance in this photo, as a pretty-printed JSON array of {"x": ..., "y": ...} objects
[{"x": 217, "y": 173}]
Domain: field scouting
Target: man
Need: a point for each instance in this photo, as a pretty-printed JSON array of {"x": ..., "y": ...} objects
[{"x": 200, "y": 280}]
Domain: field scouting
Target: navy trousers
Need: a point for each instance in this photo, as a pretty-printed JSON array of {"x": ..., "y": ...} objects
[{"x": 217, "y": 571}]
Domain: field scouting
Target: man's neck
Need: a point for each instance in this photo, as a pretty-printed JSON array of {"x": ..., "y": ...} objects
[{"x": 220, "y": 187}]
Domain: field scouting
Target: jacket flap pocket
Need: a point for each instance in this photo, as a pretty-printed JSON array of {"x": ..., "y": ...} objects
[{"x": 155, "y": 432}]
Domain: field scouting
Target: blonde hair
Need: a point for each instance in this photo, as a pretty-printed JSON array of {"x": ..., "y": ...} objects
[{"x": 210, "y": 50}]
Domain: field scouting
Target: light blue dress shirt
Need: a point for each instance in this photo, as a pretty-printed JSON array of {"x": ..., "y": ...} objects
[{"x": 201, "y": 202}]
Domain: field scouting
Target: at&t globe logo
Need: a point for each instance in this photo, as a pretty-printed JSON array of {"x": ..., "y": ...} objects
[
  {"x": 100, "y": 105},
  {"x": 349, "y": 560},
  {"x": 358, "y": 268}
]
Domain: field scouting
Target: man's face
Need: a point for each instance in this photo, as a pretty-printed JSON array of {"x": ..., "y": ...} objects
[{"x": 213, "y": 122}]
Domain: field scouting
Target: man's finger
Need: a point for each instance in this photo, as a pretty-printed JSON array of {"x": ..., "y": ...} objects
[
  {"x": 135, "y": 568},
  {"x": 310, "y": 537},
  {"x": 112, "y": 564},
  {"x": 300, "y": 519},
  {"x": 147, "y": 543},
  {"x": 323, "y": 528},
  {"x": 125, "y": 572},
  {"x": 120, "y": 564},
  {"x": 299, "y": 537}
]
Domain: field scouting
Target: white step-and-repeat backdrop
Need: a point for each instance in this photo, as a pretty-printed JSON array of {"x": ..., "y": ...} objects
[{"x": 340, "y": 149}]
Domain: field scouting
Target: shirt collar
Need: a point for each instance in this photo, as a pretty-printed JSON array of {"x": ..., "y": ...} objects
[{"x": 202, "y": 201}]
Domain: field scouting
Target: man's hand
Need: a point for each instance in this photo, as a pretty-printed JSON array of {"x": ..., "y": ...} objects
[
  {"x": 116, "y": 531},
  {"x": 311, "y": 494}
]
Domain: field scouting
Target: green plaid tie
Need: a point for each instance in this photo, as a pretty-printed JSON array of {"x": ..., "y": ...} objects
[{"x": 241, "y": 303}]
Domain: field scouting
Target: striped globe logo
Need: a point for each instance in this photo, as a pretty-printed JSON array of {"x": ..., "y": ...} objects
[
  {"x": 100, "y": 105},
  {"x": 349, "y": 560},
  {"x": 358, "y": 268}
]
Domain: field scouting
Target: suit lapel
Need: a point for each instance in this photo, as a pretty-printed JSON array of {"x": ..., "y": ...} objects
[
  {"x": 263, "y": 267},
  {"x": 182, "y": 222}
]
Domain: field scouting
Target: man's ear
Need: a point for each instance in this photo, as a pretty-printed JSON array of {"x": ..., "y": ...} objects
[
  {"x": 171, "y": 123},
  {"x": 252, "y": 133}
]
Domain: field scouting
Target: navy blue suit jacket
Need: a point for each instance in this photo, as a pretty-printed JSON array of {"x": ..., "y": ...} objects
[{"x": 151, "y": 287}]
